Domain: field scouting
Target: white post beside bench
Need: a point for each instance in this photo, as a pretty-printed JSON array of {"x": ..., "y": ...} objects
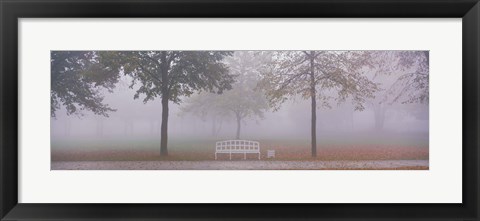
[{"x": 237, "y": 146}]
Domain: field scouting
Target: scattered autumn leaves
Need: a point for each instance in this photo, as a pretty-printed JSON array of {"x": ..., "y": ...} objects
[{"x": 294, "y": 153}]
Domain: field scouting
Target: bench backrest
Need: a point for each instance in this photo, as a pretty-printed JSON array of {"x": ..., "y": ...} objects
[{"x": 237, "y": 145}]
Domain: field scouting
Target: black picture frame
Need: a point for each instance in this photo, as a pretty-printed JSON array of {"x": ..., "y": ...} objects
[{"x": 12, "y": 10}]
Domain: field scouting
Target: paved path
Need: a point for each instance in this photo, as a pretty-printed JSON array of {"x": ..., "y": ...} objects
[{"x": 237, "y": 165}]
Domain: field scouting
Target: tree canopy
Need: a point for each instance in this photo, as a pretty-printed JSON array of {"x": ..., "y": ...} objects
[
  {"x": 243, "y": 100},
  {"x": 319, "y": 76},
  {"x": 171, "y": 75},
  {"x": 327, "y": 75},
  {"x": 413, "y": 85},
  {"x": 76, "y": 80},
  {"x": 404, "y": 80}
]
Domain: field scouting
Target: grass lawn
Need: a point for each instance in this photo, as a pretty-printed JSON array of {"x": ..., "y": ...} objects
[{"x": 200, "y": 150}]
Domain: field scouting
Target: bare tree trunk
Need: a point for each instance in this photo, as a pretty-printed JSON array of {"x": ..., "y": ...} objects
[
  {"x": 314, "y": 104},
  {"x": 99, "y": 129},
  {"x": 219, "y": 128},
  {"x": 165, "y": 96},
  {"x": 239, "y": 125},
  {"x": 214, "y": 125},
  {"x": 164, "y": 128},
  {"x": 379, "y": 112},
  {"x": 128, "y": 127},
  {"x": 68, "y": 126},
  {"x": 352, "y": 120},
  {"x": 152, "y": 127}
]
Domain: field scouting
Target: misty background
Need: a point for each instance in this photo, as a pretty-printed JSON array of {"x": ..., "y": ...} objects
[
  {"x": 136, "y": 122},
  {"x": 134, "y": 118}
]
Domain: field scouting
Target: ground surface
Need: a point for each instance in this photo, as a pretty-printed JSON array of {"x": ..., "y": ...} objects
[
  {"x": 283, "y": 153},
  {"x": 379, "y": 151},
  {"x": 243, "y": 165}
]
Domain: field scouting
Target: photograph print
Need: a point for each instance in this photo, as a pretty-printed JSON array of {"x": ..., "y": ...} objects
[{"x": 239, "y": 110}]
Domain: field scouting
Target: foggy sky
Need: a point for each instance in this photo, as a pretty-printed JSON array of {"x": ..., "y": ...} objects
[
  {"x": 134, "y": 119},
  {"x": 292, "y": 119}
]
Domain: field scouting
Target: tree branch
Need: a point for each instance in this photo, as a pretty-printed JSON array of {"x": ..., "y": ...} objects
[{"x": 148, "y": 72}]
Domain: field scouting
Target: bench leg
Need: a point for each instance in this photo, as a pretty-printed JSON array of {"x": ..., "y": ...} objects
[
  {"x": 259, "y": 155},
  {"x": 230, "y": 155}
]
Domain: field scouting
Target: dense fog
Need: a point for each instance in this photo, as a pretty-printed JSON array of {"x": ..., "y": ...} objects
[
  {"x": 338, "y": 119},
  {"x": 134, "y": 118}
]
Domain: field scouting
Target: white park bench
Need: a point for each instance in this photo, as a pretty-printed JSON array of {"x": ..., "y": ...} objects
[{"x": 237, "y": 146}]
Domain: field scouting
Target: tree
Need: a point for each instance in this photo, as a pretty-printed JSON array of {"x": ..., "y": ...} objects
[
  {"x": 206, "y": 106},
  {"x": 383, "y": 71},
  {"x": 171, "y": 75},
  {"x": 242, "y": 101},
  {"x": 318, "y": 76},
  {"x": 412, "y": 86},
  {"x": 76, "y": 80},
  {"x": 402, "y": 77},
  {"x": 239, "y": 103}
]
